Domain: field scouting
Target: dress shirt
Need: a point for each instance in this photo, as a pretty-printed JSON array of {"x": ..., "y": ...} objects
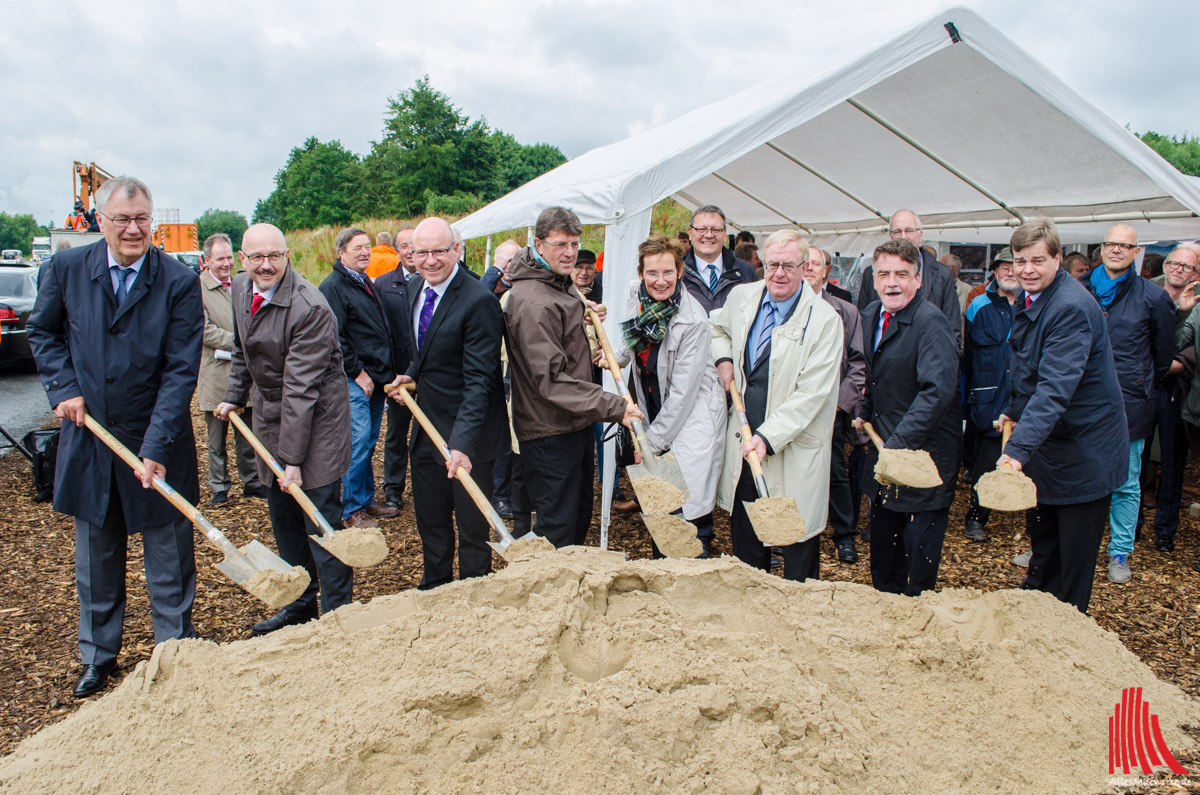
[{"x": 781, "y": 308}]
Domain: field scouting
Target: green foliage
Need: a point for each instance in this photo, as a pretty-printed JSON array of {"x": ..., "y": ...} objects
[
  {"x": 320, "y": 185},
  {"x": 231, "y": 222},
  {"x": 1183, "y": 153},
  {"x": 457, "y": 204},
  {"x": 18, "y": 231}
]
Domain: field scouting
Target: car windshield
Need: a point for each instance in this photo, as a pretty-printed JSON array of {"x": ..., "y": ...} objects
[{"x": 17, "y": 285}]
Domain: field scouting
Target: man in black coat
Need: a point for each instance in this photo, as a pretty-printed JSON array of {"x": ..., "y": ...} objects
[
  {"x": 710, "y": 270},
  {"x": 117, "y": 332},
  {"x": 367, "y": 359},
  {"x": 1070, "y": 438},
  {"x": 454, "y": 328},
  {"x": 392, "y": 290},
  {"x": 937, "y": 280},
  {"x": 912, "y": 401}
]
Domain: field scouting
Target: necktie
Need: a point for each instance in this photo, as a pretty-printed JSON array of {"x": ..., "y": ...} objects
[
  {"x": 255, "y": 303},
  {"x": 887, "y": 318},
  {"x": 227, "y": 286},
  {"x": 122, "y": 287},
  {"x": 764, "y": 336},
  {"x": 367, "y": 284},
  {"x": 426, "y": 316},
  {"x": 712, "y": 278},
  {"x": 1028, "y": 302}
]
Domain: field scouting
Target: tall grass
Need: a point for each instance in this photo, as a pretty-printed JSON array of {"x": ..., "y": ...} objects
[{"x": 313, "y": 252}]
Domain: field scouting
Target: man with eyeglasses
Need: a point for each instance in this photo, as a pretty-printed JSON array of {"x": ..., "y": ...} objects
[
  {"x": 366, "y": 339},
  {"x": 554, "y": 401},
  {"x": 1141, "y": 327},
  {"x": 937, "y": 281},
  {"x": 287, "y": 364},
  {"x": 117, "y": 331},
  {"x": 710, "y": 270}
]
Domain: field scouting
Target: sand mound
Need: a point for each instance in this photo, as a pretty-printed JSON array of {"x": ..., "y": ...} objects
[
  {"x": 656, "y": 495},
  {"x": 358, "y": 546},
  {"x": 582, "y": 672},
  {"x": 674, "y": 535},
  {"x": 277, "y": 588},
  {"x": 776, "y": 520},
  {"x": 1005, "y": 489},
  {"x": 913, "y": 468}
]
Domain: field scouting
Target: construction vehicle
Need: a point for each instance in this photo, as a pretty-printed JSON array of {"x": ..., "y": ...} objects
[
  {"x": 176, "y": 237},
  {"x": 86, "y": 179}
]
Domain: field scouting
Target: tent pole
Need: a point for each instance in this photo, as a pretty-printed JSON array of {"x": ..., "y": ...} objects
[
  {"x": 487, "y": 254},
  {"x": 775, "y": 210},
  {"x": 923, "y": 150},
  {"x": 828, "y": 181}
]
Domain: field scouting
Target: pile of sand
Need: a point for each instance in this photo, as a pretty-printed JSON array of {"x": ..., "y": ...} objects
[
  {"x": 776, "y": 520},
  {"x": 577, "y": 671},
  {"x": 358, "y": 546},
  {"x": 278, "y": 588},
  {"x": 913, "y": 468},
  {"x": 674, "y": 535},
  {"x": 1005, "y": 489},
  {"x": 657, "y": 496}
]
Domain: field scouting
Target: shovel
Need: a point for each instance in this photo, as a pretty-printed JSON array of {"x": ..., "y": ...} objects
[
  {"x": 776, "y": 520},
  {"x": 260, "y": 571},
  {"x": 1004, "y": 488},
  {"x": 464, "y": 477},
  {"x": 659, "y": 484},
  {"x": 356, "y": 547},
  {"x": 912, "y": 468}
]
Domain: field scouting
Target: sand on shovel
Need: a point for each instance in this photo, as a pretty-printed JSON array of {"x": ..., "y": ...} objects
[
  {"x": 357, "y": 546},
  {"x": 657, "y": 496},
  {"x": 1005, "y": 489},
  {"x": 277, "y": 588},
  {"x": 776, "y": 521},
  {"x": 913, "y": 468},
  {"x": 527, "y": 546},
  {"x": 674, "y": 535}
]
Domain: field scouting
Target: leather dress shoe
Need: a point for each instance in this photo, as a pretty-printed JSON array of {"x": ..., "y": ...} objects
[
  {"x": 1165, "y": 543},
  {"x": 707, "y": 550},
  {"x": 381, "y": 511},
  {"x": 93, "y": 680},
  {"x": 503, "y": 508},
  {"x": 220, "y": 498},
  {"x": 846, "y": 551},
  {"x": 258, "y": 492},
  {"x": 626, "y": 506},
  {"x": 394, "y": 501},
  {"x": 284, "y": 618},
  {"x": 973, "y": 530},
  {"x": 360, "y": 519}
]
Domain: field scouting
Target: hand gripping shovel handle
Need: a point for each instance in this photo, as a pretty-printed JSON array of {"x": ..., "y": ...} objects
[
  {"x": 463, "y": 476},
  {"x": 186, "y": 508},
  {"x": 610, "y": 358},
  {"x": 870, "y": 429},
  {"x": 760, "y": 482},
  {"x": 294, "y": 489}
]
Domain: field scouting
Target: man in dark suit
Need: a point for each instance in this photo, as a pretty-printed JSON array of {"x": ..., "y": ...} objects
[
  {"x": 912, "y": 401},
  {"x": 454, "y": 326},
  {"x": 391, "y": 288},
  {"x": 937, "y": 281},
  {"x": 117, "y": 332}
]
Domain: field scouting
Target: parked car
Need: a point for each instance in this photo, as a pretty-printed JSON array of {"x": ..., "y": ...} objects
[
  {"x": 10, "y": 256},
  {"x": 193, "y": 259},
  {"x": 18, "y": 289}
]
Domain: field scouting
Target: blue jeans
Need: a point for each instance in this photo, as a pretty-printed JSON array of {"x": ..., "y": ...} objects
[
  {"x": 1122, "y": 517},
  {"x": 366, "y": 414}
]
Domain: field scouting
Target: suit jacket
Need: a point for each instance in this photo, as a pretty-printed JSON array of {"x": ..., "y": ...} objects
[
  {"x": 218, "y": 336},
  {"x": 458, "y": 370},
  {"x": 937, "y": 287},
  {"x": 136, "y": 368},
  {"x": 288, "y": 362},
  {"x": 392, "y": 289},
  {"x": 854, "y": 363},
  {"x": 912, "y": 398}
]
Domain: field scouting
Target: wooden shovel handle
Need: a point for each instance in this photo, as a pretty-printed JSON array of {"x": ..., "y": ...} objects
[
  {"x": 294, "y": 489},
  {"x": 1006, "y": 430},
  {"x": 610, "y": 358},
  {"x": 740, "y": 407},
  {"x": 870, "y": 429}
]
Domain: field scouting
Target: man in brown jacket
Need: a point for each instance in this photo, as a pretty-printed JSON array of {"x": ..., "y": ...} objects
[
  {"x": 554, "y": 401},
  {"x": 215, "y": 290},
  {"x": 287, "y": 360}
]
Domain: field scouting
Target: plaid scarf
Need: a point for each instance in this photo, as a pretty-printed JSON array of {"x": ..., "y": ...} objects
[{"x": 649, "y": 326}]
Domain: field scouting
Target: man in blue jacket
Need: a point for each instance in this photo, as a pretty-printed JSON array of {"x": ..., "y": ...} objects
[
  {"x": 1141, "y": 327},
  {"x": 117, "y": 332},
  {"x": 1070, "y": 438}
]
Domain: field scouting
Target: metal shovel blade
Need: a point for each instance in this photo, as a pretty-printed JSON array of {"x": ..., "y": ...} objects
[
  {"x": 668, "y": 494},
  {"x": 257, "y": 556}
]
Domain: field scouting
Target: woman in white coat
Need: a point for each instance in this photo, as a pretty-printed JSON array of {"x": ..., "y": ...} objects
[{"x": 669, "y": 342}]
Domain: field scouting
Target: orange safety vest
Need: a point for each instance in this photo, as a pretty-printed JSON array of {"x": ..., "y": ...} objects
[{"x": 76, "y": 221}]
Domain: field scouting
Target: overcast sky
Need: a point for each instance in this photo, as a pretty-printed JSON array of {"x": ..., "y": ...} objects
[{"x": 204, "y": 99}]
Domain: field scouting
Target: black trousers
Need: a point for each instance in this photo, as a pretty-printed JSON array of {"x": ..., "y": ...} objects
[
  {"x": 985, "y": 451},
  {"x": 557, "y": 474},
  {"x": 295, "y": 536},
  {"x": 1173, "y": 447},
  {"x": 855, "y": 464},
  {"x": 395, "y": 450},
  {"x": 841, "y": 510},
  {"x": 800, "y": 561},
  {"x": 1066, "y": 542},
  {"x": 906, "y": 549},
  {"x": 440, "y": 503}
]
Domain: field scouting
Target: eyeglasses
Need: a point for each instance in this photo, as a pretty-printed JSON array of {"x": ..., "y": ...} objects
[
  {"x": 1108, "y": 245},
  {"x": 1037, "y": 262},
  {"x": 1180, "y": 266},
  {"x": 906, "y": 231},
  {"x": 123, "y": 221},
  {"x": 574, "y": 245},
  {"x": 422, "y": 253},
  {"x": 782, "y": 266},
  {"x": 274, "y": 257},
  {"x": 706, "y": 230}
]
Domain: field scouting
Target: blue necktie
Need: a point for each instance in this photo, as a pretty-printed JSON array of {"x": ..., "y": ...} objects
[
  {"x": 712, "y": 277},
  {"x": 122, "y": 289},
  {"x": 764, "y": 336},
  {"x": 426, "y": 316}
]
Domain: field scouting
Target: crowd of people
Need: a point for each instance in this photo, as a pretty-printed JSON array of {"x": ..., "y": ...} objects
[{"x": 506, "y": 367}]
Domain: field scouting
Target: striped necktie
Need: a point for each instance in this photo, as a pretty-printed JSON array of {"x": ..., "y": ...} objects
[
  {"x": 764, "y": 335},
  {"x": 712, "y": 277},
  {"x": 122, "y": 286}
]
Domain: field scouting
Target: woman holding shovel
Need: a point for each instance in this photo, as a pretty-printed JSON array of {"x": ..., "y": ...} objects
[{"x": 669, "y": 340}]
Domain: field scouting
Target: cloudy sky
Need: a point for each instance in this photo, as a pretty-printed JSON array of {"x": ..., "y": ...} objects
[{"x": 204, "y": 99}]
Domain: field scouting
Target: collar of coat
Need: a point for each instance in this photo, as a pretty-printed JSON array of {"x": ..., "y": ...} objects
[
  {"x": 209, "y": 282},
  {"x": 1036, "y": 308}
]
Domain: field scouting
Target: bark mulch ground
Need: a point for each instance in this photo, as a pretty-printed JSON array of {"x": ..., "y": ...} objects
[{"x": 1157, "y": 615}]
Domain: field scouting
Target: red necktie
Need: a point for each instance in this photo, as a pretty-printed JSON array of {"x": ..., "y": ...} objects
[
  {"x": 887, "y": 317},
  {"x": 1028, "y": 302},
  {"x": 255, "y": 303},
  {"x": 367, "y": 284}
]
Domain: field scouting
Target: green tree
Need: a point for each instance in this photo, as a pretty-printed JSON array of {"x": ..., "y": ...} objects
[
  {"x": 231, "y": 222},
  {"x": 1183, "y": 153},
  {"x": 18, "y": 231},
  {"x": 519, "y": 164},
  {"x": 322, "y": 184}
]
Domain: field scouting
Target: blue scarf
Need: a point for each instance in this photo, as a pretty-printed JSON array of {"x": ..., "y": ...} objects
[
  {"x": 539, "y": 259},
  {"x": 1106, "y": 288}
]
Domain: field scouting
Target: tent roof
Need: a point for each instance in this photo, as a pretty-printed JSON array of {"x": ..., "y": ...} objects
[{"x": 950, "y": 119}]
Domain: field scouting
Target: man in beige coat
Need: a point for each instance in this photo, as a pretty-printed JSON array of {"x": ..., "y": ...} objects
[
  {"x": 780, "y": 346},
  {"x": 215, "y": 290},
  {"x": 287, "y": 361}
]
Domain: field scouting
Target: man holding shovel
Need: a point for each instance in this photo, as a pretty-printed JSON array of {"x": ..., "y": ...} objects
[{"x": 287, "y": 361}]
